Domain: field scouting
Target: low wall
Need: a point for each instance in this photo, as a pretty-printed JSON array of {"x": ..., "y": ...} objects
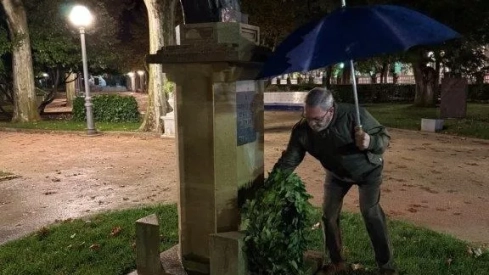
[{"x": 284, "y": 100}]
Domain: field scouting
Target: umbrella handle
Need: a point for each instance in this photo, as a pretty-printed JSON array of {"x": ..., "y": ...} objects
[{"x": 355, "y": 95}]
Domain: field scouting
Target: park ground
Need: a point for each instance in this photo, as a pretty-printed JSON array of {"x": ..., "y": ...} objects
[{"x": 431, "y": 180}]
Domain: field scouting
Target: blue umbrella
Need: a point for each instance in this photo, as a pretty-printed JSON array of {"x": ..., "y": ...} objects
[{"x": 350, "y": 33}]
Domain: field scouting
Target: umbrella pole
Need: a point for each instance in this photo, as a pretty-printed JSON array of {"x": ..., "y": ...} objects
[{"x": 355, "y": 95}]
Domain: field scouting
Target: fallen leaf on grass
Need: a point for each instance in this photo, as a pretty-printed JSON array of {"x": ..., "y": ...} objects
[
  {"x": 115, "y": 231},
  {"x": 316, "y": 226},
  {"x": 95, "y": 246},
  {"x": 357, "y": 267},
  {"x": 449, "y": 261}
]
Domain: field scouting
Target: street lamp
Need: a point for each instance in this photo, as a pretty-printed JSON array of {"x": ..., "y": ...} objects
[{"x": 81, "y": 17}]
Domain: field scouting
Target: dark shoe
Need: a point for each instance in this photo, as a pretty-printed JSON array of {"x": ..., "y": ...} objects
[{"x": 335, "y": 268}]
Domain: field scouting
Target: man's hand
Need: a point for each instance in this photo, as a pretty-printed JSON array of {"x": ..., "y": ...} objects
[{"x": 362, "y": 139}]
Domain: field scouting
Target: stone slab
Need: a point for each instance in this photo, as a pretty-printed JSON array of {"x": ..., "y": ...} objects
[{"x": 431, "y": 125}]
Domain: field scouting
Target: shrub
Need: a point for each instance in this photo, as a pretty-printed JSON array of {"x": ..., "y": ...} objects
[
  {"x": 478, "y": 93},
  {"x": 278, "y": 222},
  {"x": 381, "y": 93},
  {"x": 108, "y": 108}
]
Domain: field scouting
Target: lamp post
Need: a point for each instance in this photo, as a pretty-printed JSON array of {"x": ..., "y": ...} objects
[{"x": 81, "y": 17}]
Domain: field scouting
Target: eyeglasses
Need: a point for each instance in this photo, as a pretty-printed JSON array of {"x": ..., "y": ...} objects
[{"x": 317, "y": 119}]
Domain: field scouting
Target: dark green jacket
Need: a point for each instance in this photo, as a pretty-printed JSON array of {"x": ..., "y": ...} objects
[{"x": 335, "y": 146}]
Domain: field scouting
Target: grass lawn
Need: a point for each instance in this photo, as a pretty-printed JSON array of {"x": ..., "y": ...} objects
[
  {"x": 69, "y": 125},
  {"x": 405, "y": 116},
  {"x": 87, "y": 247}
]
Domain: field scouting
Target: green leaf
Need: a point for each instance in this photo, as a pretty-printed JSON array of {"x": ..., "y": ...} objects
[{"x": 279, "y": 219}]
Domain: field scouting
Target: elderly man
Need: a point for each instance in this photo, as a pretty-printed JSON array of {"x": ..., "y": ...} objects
[{"x": 351, "y": 156}]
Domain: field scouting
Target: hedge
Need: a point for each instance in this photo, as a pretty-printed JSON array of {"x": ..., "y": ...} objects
[
  {"x": 108, "y": 108},
  {"x": 382, "y": 93}
]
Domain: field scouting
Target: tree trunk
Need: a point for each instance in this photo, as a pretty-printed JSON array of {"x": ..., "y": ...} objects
[
  {"x": 51, "y": 95},
  {"x": 425, "y": 85},
  {"x": 327, "y": 78},
  {"x": 161, "y": 16},
  {"x": 70, "y": 88},
  {"x": 437, "y": 88},
  {"x": 373, "y": 79},
  {"x": 384, "y": 72},
  {"x": 346, "y": 76},
  {"x": 25, "y": 109}
]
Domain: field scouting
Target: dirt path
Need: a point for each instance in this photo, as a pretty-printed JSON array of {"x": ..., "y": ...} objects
[{"x": 431, "y": 180}]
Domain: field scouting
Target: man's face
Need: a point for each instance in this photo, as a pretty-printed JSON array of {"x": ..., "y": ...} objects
[{"x": 317, "y": 118}]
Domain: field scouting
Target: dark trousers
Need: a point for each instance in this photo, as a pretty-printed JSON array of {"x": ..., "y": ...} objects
[{"x": 373, "y": 216}]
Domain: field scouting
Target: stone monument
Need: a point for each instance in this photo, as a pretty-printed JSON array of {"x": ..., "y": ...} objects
[
  {"x": 219, "y": 126},
  {"x": 205, "y": 11},
  {"x": 453, "y": 97}
]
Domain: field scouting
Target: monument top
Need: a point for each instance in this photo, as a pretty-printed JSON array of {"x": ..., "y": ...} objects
[{"x": 201, "y": 11}]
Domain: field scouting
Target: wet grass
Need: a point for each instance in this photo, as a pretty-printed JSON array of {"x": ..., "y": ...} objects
[
  {"x": 403, "y": 116},
  {"x": 416, "y": 250},
  {"x": 69, "y": 125},
  {"x": 88, "y": 247},
  {"x": 406, "y": 116}
]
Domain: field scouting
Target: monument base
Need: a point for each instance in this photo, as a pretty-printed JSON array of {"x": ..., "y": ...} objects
[{"x": 169, "y": 126}]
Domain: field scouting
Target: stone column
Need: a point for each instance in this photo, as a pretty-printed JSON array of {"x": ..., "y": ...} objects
[{"x": 219, "y": 132}]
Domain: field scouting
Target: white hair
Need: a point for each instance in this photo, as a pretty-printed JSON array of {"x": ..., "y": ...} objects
[{"x": 319, "y": 97}]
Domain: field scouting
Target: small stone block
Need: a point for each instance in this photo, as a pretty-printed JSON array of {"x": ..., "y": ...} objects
[
  {"x": 431, "y": 125},
  {"x": 147, "y": 246},
  {"x": 226, "y": 254}
]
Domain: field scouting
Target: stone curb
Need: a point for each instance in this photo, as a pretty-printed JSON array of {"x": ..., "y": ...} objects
[{"x": 77, "y": 132}]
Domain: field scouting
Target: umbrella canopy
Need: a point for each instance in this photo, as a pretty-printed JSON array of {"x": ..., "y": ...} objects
[{"x": 351, "y": 33}]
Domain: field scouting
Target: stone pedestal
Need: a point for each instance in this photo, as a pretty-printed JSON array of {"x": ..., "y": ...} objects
[
  {"x": 169, "y": 119},
  {"x": 227, "y": 255},
  {"x": 219, "y": 128},
  {"x": 131, "y": 82}
]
